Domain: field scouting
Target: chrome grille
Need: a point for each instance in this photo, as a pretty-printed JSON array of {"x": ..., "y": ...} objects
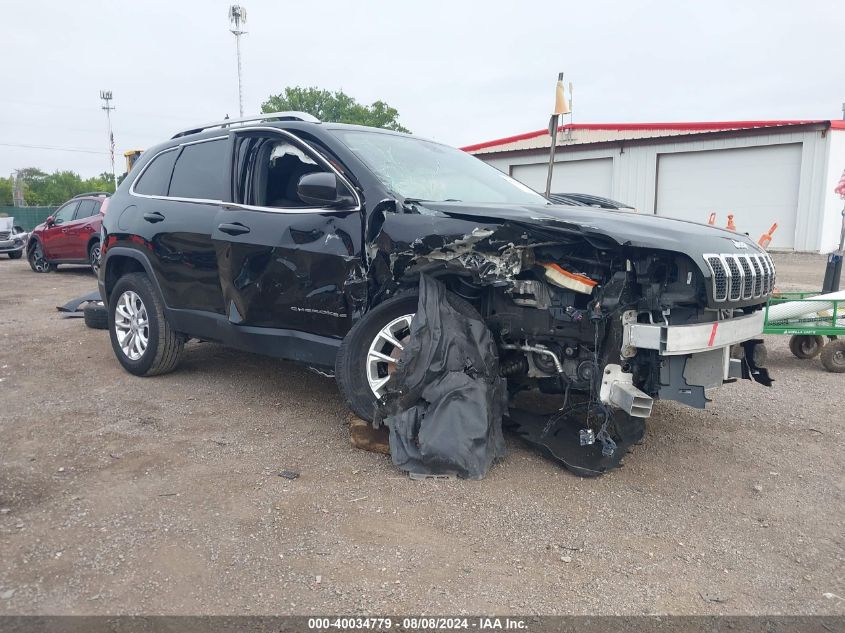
[
  {"x": 747, "y": 276},
  {"x": 4, "y": 235},
  {"x": 735, "y": 286},
  {"x": 740, "y": 277},
  {"x": 758, "y": 276}
]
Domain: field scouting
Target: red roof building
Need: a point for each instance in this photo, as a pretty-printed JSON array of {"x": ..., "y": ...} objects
[{"x": 761, "y": 172}]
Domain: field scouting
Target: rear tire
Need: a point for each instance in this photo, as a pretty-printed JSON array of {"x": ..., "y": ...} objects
[
  {"x": 96, "y": 316},
  {"x": 833, "y": 356},
  {"x": 135, "y": 310},
  {"x": 15, "y": 255},
  {"x": 94, "y": 256},
  {"x": 806, "y": 346}
]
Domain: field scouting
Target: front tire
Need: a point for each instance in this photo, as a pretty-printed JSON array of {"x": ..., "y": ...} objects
[
  {"x": 37, "y": 261},
  {"x": 141, "y": 337},
  {"x": 361, "y": 363},
  {"x": 371, "y": 349}
]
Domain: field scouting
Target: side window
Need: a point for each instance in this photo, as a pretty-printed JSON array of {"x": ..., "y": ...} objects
[
  {"x": 201, "y": 171},
  {"x": 155, "y": 179},
  {"x": 269, "y": 170},
  {"x": 85, "y": 209},
  {"x": 65, "y": 214}
]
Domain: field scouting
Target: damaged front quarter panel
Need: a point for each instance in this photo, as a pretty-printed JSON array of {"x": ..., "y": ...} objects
[
  {"x": 558, "y": 295},
  {"x": 404, "y": 240}
]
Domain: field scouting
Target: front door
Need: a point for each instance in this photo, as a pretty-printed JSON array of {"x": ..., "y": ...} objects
[
  {"x": 285, "y": 264},
  {"x": 54, "y": 237}
]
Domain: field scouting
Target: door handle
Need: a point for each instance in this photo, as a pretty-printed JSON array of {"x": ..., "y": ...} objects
[
  {"x": 153, "y": 216},
  {"x": 235, "y": 228}
]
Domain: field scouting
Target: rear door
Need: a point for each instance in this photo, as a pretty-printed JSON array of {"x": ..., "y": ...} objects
[
  {"x": 285, "y": 264},
  {"x": 189, "y": 184},
  {"x": 54, "y": 237},
  {"x": 78, "y": 231}
]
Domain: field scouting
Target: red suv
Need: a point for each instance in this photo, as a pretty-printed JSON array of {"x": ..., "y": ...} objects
[{"x": 70, "y": 236}]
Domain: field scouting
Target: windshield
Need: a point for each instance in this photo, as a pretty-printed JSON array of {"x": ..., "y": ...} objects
[{"x": 422, "y": 170}]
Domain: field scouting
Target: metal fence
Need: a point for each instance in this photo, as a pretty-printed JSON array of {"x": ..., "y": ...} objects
[{"x": 27, "y": 217}]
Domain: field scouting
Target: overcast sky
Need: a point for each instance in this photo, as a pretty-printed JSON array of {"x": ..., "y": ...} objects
[{"x": 459, "y": 72}]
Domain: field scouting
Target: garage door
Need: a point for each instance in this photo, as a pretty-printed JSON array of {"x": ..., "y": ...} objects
[
  {"x": 594, "y": 176},
  {"x": 759, "y": 185}
]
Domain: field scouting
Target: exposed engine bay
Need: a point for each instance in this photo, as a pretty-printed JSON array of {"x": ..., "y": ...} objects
[{"x": 608, "y": 327}]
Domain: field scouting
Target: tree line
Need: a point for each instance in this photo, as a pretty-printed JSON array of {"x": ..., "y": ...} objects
[
  {"x": 41, "y": 189},
  {"x": 48, "y": 190}
]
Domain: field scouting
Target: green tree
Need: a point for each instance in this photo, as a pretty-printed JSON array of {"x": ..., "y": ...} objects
[
  {"x": 336, "y": 107},
  {"x": 6, "y": 189},
  {"x": 43, "y": 189}
]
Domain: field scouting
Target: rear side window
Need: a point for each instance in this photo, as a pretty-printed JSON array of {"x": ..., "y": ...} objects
[
  {"x": 86, "y": 209},
  {"x": 156, "y": 177},
  {"x": 200, "y": 171}
]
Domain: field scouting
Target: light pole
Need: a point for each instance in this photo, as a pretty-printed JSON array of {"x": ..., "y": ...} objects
[
  {"x": 106, "y": 96},
  {"x": 237, "y": 19}
]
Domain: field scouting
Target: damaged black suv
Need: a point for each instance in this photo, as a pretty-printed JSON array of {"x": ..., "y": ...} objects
[{"x": 305, "y": 240}]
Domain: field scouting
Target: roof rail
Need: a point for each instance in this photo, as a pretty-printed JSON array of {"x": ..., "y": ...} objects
[
  {"x": 276, "y": 116},
  {"x": 91, "y": 193}
]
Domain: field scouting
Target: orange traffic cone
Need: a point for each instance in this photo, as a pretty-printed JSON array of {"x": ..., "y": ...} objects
[
  {"x": 712, "y": 219},
  {"x": 766, "y": 238},
  {"x": 731, "y": 225}
]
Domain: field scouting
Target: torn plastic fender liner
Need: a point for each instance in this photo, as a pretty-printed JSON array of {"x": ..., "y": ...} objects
[{"x": 445, "y": 401}]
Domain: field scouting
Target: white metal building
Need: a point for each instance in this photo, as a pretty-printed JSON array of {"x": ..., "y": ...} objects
[{"x": 759, "y": 171}]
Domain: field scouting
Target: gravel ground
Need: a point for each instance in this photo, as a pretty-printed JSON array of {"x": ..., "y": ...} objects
[{"x": 162, "y": 495}]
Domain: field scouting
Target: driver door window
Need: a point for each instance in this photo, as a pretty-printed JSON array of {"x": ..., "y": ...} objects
[
  {"x": 65, "y": 214},
  {"x": 268, "y": 172}
]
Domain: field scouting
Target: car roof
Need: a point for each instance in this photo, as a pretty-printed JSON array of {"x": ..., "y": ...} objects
[{"x": 93, "y": 195}]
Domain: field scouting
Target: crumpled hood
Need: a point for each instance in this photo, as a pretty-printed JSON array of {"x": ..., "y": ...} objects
[
  {"x": 623, "y": 227},
  {"x": 6, "y": 224}
]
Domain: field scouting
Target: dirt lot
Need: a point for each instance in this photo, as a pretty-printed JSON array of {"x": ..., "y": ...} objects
[{"x": 162, "y": 495}]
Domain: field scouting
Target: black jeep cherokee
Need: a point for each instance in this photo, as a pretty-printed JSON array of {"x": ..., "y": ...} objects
[{"x": 305, "y": 240}]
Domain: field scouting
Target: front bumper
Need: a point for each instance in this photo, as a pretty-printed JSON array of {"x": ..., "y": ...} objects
[
  {"x": 671, "y": 340},
  {"x": 693, "y": 358},
  {"x": 11, "y": 246}
]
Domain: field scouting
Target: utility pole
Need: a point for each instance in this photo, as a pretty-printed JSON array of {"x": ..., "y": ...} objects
[
  {"x": 17, "y": 190},
  {"x": 237, "y": 20},
  {"x": 106, "y": 96}
]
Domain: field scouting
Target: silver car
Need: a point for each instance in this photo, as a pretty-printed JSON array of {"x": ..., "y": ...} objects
[{"x": 12, "y": 238}]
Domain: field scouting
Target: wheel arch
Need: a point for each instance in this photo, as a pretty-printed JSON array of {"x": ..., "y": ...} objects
[
  {"x": 458, "y": 281},
  {"x": 120, "y": 261}
]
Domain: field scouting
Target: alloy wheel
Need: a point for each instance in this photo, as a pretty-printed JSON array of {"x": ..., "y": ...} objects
[
  {"x": 131, "y": 325},
  {"x": 384, "y": 352},
  {"x": 95, "y": 258},
  {"x": 38, "y": 262}
]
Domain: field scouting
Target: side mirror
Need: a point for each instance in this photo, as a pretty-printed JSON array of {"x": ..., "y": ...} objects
[
  {"x": 323, "y": 189},
  {"x": 49, "y": 221}
]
